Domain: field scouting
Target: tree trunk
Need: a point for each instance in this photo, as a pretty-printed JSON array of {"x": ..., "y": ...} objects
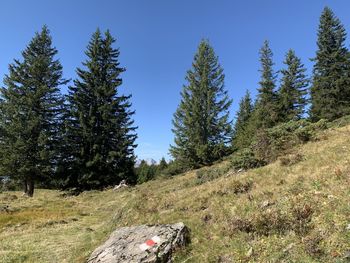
[
  {"x": 30, "y": 185},
  {"x": 25, "y": 187}
]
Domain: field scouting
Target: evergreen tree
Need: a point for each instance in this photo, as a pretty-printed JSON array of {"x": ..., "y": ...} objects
[
  {"x": 31, "y": 110},
  {"x": 293, "y": 89},
  {"x": 162, "y": 165},
  {"x": 201, "y": 123},
  {"x": 145, "y": 172},
  {"x": 330, "y": 91},
  {"x": 266, "y": 105},
  {"x": 100, "y": 127},
  {"x": 242, "y": 134}
]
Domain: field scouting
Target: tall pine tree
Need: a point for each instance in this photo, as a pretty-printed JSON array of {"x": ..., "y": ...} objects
[
  {"x": 330, "y": 91},
  {"x": 201, "y": 123},
  {"x": 242, "y": 132},
  {"x": 100, "y": 129},
  {"x": 266, "y": 105},
  {"x": 293, "y": 89},
  {"x": 31, "y": 110}
]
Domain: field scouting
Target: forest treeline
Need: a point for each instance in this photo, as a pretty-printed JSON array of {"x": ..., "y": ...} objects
[{"x": 86, "y": 139}]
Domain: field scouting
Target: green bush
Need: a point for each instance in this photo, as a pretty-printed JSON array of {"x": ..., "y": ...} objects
[
  {"x": 245, "y": 159},
  {"x": 341, "y": 122},
  {"x": 145, "y": 172},
  {"x": 269, "y": 144},
  {"x": 309, "y": 131},
  {"x": 211, "y": 173},
  {"x": 275, "y": 220},
  {"x": 235, "y": 187},
  {"x": 175, "y": 168},
  {"x": 291, "y": 159},
  {"x": 7, "y": 184}
]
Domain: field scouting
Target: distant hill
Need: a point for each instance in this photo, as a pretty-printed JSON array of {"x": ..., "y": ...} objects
[{"x": 149, "y": 161}]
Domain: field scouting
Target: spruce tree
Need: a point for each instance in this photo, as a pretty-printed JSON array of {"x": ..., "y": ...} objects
[
  {"x": 330, "y": 91},
  {"x": 145, "y": 172},
  {"x": 242, "y": 134},
  {"x": 100, "y": 128},
  {"x": 293, "y": 89},
  {"x": 31, "y": 110},
  {"x": 162, "y": 165},
  {"x": 266, "y": 105},
  {"x": 201, "y": 122}
]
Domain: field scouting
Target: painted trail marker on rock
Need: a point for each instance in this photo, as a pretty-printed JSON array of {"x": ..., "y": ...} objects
[
  {"x": 141, "y": 244},
  {"x": 150, "y": 243}
]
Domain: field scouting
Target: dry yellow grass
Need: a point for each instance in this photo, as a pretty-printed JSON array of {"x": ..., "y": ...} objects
[{"x": 256, "y": 225}]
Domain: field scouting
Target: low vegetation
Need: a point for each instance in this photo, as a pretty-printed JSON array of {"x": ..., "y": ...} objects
[{"x": 275, "y": 213}]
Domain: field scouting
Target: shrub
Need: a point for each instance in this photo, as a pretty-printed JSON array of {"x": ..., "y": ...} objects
[
  {"x": 301, "y": 214},
  {"x": 239, "y": 187},
  {"x": 175, "y": 168},
  {"x": 271, "y": 222},
  {"x": 246, "y": 159},
  {"x": 7, "y": 184},
  {"x": 236, "y": 187},
  {"x": 241, "y": 225},
  {"x": 341, "y": 122},
  {"x": 211, "y": 173},
  {"x": 291, "y": 159},
  {"x": 262, "y": 223},
  {"x": 275, "y": 220},
  {"x": 145, "y": 172},
  {"x": 269, "y": 144},
  {"x": 312, "y": 244},
  {"x": 309, "y": 131}
]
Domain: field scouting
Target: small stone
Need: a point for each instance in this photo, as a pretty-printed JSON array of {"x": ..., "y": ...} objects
[
  {"x": 5, "y": 208},
  {"x": 249, "y": 252},
  {"x": 289, "y": 247},
  {"x": 347, "y": 254},
  {"x": 266, "y": 203},
  {"x": 348, "y": 227}
]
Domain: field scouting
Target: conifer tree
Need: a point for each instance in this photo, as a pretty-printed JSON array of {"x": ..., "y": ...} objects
[
  {"x": 201, "y": 122},
  {"x": 145, "y": 172},
  {"x": 293, "y": 89},
  {"x": 162, "y": 165},
  {"x": 242, "y": 134},
  {"x": 330, "y": 91},
  {"x": 100, "y": 127},
  {"x": 31, "y": 110},
  {"x": 266, "y": 105}
]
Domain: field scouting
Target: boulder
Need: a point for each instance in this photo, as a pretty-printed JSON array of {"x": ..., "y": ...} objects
[
  {"x": 144, "y": 243},
  {"x": 121, "y": 185}
]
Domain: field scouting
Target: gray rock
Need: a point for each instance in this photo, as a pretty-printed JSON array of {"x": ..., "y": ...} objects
[
  {"x": 348, "y": 227},
  {"x": 4, "y": 208},
  {"x": 124, "y": 244},
  {"x": 249, "y": 252},
  {"x": 121, "y": 185}
]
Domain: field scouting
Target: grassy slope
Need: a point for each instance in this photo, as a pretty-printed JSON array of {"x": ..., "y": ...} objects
[{"x": 50, "y": 228}]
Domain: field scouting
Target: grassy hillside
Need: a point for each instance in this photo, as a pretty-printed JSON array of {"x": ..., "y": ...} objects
[{"x": 277, "y": 213}]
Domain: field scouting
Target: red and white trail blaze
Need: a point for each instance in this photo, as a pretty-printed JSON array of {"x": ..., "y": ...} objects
[{"x": 150, "y": 243}]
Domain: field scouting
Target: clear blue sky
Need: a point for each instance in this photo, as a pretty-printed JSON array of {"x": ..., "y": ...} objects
[{"x": 157, "y": 40}]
